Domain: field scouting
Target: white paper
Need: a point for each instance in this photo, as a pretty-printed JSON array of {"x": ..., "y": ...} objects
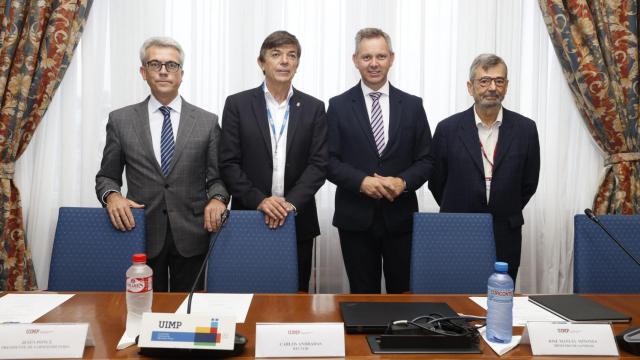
[
  {"x": 565, "y": 338},
  {"x": 236, "y": 305},
  {"x": 300, "y": 340},
  {"x": 132, "y": 329},
  {"x": 523, "y": 310},
  {"x": 39, "y": 341},
  {"x": 499, "y": 348},
  {"x": 27, "y": 308}
]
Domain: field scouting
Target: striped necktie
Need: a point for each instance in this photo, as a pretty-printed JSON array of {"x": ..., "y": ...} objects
[
  {"x": 167, "y": 145},
  {"x": 377, "y": 125}
]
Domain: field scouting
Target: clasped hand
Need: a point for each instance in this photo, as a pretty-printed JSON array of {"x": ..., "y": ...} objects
[
  {"x": 378, "y": 187},
  {"x": 275, "y": 210}
]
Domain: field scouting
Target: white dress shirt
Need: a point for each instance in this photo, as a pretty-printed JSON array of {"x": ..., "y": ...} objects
[
  {"x": 279, "y": 116},
  {"x": 156, "y": 119},
  {"x": 384, "y": 106},
  {"x": 488, "y": 140}
]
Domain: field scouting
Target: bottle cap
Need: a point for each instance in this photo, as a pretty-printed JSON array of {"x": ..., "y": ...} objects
[
  {"x": 139, "y": 258},
  {"x": 501, "y": 266}
]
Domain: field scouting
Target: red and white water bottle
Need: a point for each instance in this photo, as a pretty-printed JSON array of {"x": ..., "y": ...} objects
[{"x": 139, "y": 286}]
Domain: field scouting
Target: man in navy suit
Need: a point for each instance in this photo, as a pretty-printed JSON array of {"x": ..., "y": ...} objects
[
  {"x": 273, "y": 147},
  {"x": 379, "y": 142},
  {"x": 487, "y": 159}
]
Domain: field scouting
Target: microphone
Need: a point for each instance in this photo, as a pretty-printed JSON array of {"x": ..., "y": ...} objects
[
  {"x": 595, "y": 219},
  {"x": 591, "y": 215},
  {"x": 223, "y": 221},
  {"x": 629, "y": 340}
]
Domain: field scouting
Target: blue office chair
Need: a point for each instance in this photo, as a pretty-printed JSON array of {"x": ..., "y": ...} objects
[
  {"x": 248, "y": 257},
  {"x": 89, "y": 254},
  {"x": 599, "y": 264},
  {"x": 451, "y": 253}
]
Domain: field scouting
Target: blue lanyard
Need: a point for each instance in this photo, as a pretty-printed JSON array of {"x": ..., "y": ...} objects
[
  {"x": 272, "y": 124},
  {"x": 282, "y": 127}
]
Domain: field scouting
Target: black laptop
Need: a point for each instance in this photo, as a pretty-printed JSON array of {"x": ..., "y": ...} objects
[
  {"x": 374, "y": 317},
  {"x": 578, "y": 309}
]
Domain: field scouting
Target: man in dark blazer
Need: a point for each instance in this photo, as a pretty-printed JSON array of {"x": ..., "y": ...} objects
[
  {"x": 273, "y": 148},
  {"x": 379, "y": 140},
  {"x": 487, "y": 159},
  {"x": 170, "y": 151}
]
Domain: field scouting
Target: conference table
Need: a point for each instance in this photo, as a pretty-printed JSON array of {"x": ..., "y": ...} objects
[{"x": 106, "y": 314}]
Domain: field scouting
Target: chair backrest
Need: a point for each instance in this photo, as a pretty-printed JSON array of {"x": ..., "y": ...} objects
[
  {"x": 599, "y": 264},
  {"x": 451, "y": 253},
  {"x": 248, "y": 257},
  {"x": 89, "y": 254}
]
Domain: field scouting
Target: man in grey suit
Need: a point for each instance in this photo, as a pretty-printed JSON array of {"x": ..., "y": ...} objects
[{"x": 175, "y": 181}]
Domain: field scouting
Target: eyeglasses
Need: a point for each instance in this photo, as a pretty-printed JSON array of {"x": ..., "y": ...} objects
[
  {"x": 485, "y": 81},
  {"x": 170, "y": 66}
]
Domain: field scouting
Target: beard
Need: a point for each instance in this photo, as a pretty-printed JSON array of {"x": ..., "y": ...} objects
[{"x": 484, "y": 102}]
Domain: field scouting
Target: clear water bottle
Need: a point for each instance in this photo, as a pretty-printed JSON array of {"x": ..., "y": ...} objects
[
  {"x": 139, "y": 286},
  {"x": 500, "y": 304}
]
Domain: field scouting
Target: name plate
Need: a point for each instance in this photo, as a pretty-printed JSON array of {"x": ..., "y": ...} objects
[
  {"x": 187, "y": 331},
  {"x": 564, "y": 338},
  {"x": 299, "y": 339},
  {"x": 39, "y": 341}
]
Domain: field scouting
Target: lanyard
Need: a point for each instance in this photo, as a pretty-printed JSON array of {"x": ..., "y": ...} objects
[
  {"x": 486, "y": 157},
  {"x": 272, "y": 126},
  {"x": 491, "y": 162}
]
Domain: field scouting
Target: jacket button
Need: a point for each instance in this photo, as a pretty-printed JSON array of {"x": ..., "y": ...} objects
[
  {"x": 166, "y": 186},
  {"x": 164, "y": 211}
]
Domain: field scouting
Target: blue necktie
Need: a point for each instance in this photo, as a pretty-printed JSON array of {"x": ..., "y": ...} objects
[
  {"x": 377, "y": 125},
  {"x": 167, "y": 145}
]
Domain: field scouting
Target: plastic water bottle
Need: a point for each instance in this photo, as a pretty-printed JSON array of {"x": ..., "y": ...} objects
[
  {"x": 500, "y": 304},
  {"x": 139, "y": 286}
]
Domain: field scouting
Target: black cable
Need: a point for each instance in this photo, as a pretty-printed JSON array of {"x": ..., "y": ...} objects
[{"x": 438, "y": 324}]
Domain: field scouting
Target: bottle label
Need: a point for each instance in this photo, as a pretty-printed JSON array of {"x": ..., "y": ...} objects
[
  {"x": 500, "y": 295},
  {"x": 140, "y": 285}
]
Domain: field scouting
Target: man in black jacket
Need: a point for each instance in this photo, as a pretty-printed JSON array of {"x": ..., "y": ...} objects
[{"x": 273, "y": 147}]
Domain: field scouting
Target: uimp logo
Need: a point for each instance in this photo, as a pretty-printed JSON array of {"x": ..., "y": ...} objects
[
  {"x": 563, "y": 330},
  {"x": 294, "y": 332},
  {"x": 169, "y": 324},
  {"x": 32, "y": 331}
]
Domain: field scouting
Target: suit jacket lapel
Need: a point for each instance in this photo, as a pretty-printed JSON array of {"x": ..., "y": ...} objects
[
  {"x": 295, "y": 110},
  {"x": 259, "y": 106},
  {"x": 469, "y": 136},
  {"x": 187, "y": 122},
  {"x": 504, "y": 138},
  {"x": 395, "y": 118},
  {"x": 143, "y": 131},
  {"x": 362, "y": 115}
]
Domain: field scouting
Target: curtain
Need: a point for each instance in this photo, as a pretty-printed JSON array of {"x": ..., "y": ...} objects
[
  {"x": 37, "y": 41},
  {"x": 434, "y": 43},
  {"x": 597, "y": 45}
]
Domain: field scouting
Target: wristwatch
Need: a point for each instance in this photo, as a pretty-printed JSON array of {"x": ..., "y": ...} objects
[{"x": 221, "y": 198}]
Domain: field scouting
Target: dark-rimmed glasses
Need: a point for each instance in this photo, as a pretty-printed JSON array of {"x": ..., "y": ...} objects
[
  {"x": 486, "y": 81},
  {"x": 170, "y": 66}
]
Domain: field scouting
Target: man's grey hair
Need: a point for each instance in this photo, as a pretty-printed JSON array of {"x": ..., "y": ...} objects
[
  {"x": 160, "y": 41},
  {"x": 372, "y": 33},
  {"x": 486, "y": 61}
]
